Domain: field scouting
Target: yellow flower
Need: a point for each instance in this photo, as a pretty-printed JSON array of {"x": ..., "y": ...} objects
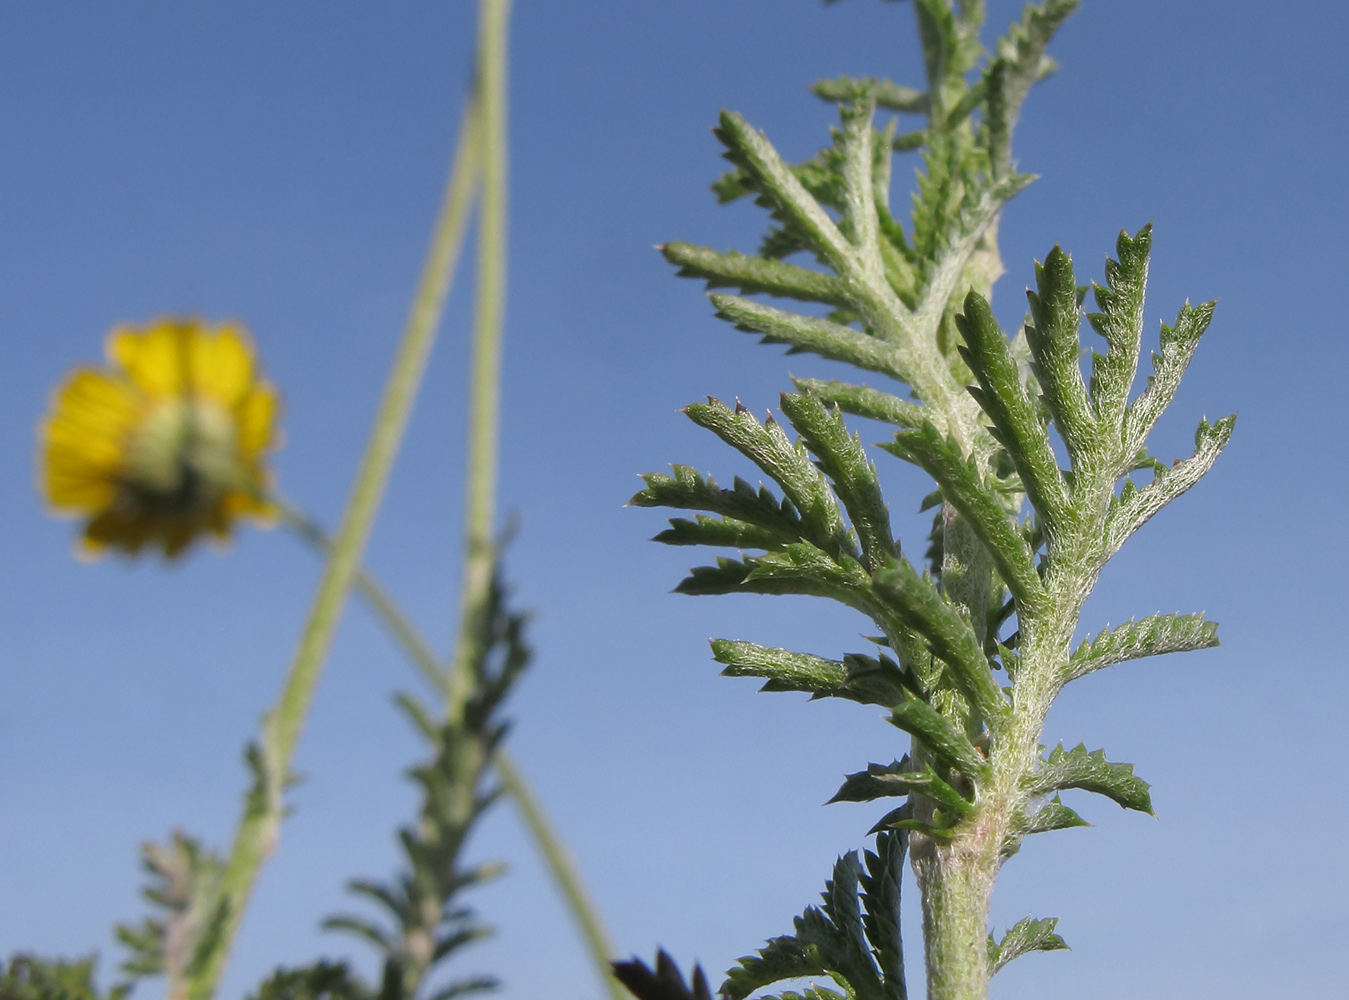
[{"x": 164, "y": 444}]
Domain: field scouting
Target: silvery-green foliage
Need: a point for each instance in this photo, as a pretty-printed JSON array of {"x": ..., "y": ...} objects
[{"x": 1041, "y": 474}]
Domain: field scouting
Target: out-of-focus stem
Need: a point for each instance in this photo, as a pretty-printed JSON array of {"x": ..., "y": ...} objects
[
  {"x": 558, "y": 860},
  {"x": 404, "y": 633},
  {"x": 598, "y": 944},
  {"x": 485, "y": 391},
  {"x": 259, "y": 827}
]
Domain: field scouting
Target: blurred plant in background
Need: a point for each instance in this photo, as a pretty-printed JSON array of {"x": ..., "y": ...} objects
[
  {"x": 165, "y": 444},
  {"x": 168, "y": 443}
]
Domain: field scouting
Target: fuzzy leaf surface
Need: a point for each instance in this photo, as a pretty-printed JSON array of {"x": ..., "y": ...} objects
[
  {"x": 1151, "y": 636},
  {"x": 1091, "y": 772},
  {"x": 1027, "y": 936}
]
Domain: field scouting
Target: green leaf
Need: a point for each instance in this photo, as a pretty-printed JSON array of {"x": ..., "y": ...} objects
[
  {"x": 1020, "y": 63},
  {"x": 881, "y": 897},
  {"x": 1091, "y": 772},
  {"x": 881, "y": 781},
  {"x": 829, "y": 340},
  {"x": 28, "y": 977},
  {"x": 1052, "y": 815},
  {"x": 780, "y": 958},
  {"x": 863, "y": 401},
  {"x": 843, "y": 943},
  {"x": 788, "y": 464},
  {"x": 979, "y": 501},
  {"x": 841, "y": 457},
  {"x": 1151, "y": 636},
  {"x": 924, "y": 609},
  {"x": 797, "y": 569},
  {"x": 718, "y": 531},
  {"x": 947, "y": 745},
  {"x": 863, "y": 679},
  {"x": 1003, "y": 398},
  {"x": 1053, "y": 339},
  {"x": 775, "y": 180},
  {"x": 1135, "y": 507},
  {"x": 1177, "y": 345},
  {"x": 1027, "y": 936},
  {"x": 754, "y": 275},
  {"x": 1120, "y": 322},
  {"x": 688, "y": 490},
  {"x": 878, "y": 781},
  {"x": 666, "y": 982},
  {"x": 890, "y": 96}
]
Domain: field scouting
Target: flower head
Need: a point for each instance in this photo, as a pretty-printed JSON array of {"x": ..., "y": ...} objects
[{"x": 164, "y": 444}]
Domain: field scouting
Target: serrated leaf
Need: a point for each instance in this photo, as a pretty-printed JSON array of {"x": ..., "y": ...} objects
[
  {"x": 1054, "y": 344},
  {"x": 866, "y": 680},
  {"x": 880, "y": 781},
  {"x": 925, "y": 610},
  {"x": 977, "y": 499},
  {"x": 788, "y": 464},
  {"x": 718, "y": 531},
  {"x": 876, "y": 782},
  {"x": 754, "y": 275},
  {"x": 771, "y": 177},
  {"x": 1027, "y": 936},
  {"x": 688, "y": 490},
  {"x": 665, "y": 982},
  {"x": 1178, "y": 344},
  {"x": 1151, "y": 636},
  {"x": 888, "y": 95},
  {"x": 1091, "y": 772},
  {"x": 809, "y": 334},
  {"x": 1020, "y": 62},
  {"x": 1120, "y": 322},
  {"x": 780, "y": 958},
  {"x": 1052, "y": 815},
  {"x": 841, "y": 457},
  {"x": 1004, "y": 400},
  {"x": 1129, "y": 514},
  {"x": 947, "y": 745},
  {"x": 864, "y": 401},
  {"x": 881, "y": 884}
]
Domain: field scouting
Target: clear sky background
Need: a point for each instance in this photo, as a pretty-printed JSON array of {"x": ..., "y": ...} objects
[{"x": 280, "y": 164}]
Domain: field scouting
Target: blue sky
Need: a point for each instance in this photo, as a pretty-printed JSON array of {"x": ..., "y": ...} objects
[{"x": 279, "y": 164}]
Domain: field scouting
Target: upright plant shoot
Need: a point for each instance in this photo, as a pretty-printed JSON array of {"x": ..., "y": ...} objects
[{"x": 1041, "y": 474}]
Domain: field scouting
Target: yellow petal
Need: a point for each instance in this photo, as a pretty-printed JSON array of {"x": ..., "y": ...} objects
[
  {"x": 79, "y": 492},
  {"x": 159, "y": 358},
  {"x": 222, "y": 364},
  {"x": 256, "y": 414}
]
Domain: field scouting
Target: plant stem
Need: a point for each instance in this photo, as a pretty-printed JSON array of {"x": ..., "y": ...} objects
[
  {"x": 386, "y": 610},
  {"x": 550, "y": 846},
  {"x": 259, "y": 827},
  {"x": 598, "y": 944},
  {"x": 480, "y": 549}
]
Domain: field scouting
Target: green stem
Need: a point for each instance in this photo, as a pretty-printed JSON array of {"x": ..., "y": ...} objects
[
  {"x": 259, "y": 827},
  {"x": 404, "y": 633},
  {"x": 480, "y": 552},
  {"x": 558, "y": 860},
  {"x": 560, "y": 866}
]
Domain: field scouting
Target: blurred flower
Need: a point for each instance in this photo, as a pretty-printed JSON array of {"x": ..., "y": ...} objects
[{"x": 166, "y": 443}]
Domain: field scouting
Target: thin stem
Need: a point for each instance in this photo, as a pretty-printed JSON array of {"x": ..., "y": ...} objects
[
  {"x": 404, "y": 633},
  {"x": 598, "y": 944},
  {"x": 550, "y": 846},
  {"x": 259, "y": 827},
  {"x": 480, "y": 553}
]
